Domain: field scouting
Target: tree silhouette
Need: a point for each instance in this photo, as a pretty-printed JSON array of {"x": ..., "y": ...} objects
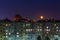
[
  {"x": 56, "y": 39},
  {"x": 47, "y": 38},
  {"x": 39, "y": 37},
  {"x": 17, "y": 17}
]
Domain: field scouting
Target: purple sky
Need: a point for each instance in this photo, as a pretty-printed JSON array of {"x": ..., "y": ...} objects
[{"x": 30, "y": 8}]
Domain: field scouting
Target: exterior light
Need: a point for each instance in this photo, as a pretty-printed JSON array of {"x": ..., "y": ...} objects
[{"x": 41, "y": 17}]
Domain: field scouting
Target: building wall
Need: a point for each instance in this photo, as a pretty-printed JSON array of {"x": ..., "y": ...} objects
[{"x": 29, "y": 30}]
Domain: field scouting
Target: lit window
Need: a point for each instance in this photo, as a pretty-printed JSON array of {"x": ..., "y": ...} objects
[
  {"x": 54, "y": 24},
  {"x": 47, "y": 27},
  {"x": 6, "y": 36},
  {"x": 55, "y": 35},
  {"x": 59, "y": 30},
  {"x": 17, "y": 32},
  {"x": 9, "y": 33},
  {"x": 6, "y": 24},
  {"x": 57, "y": 27},
  {"x": 24, "y": 36},
  {"x": 40, "y": 29},
  {"x": 28, "y": 29},
  {"x": 17, "y": 35},
  {"x": 37, "y": 29},
  {"x": 31, "y": 29},
  {"x": 9, "y": 24},
  {"x": 23, "y": 25},
  {"x": 6, "y": 33},
  {"x": 40, "y": 26},
  {"x": 6, "y": 30},
  {"x": 27, "y": 24},
  {"x": 37, "y": 26},
  {"x": 56, "y": 30}
]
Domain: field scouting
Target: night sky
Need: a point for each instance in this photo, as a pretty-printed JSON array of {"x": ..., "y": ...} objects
[{"x": 30, "y": 8}]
